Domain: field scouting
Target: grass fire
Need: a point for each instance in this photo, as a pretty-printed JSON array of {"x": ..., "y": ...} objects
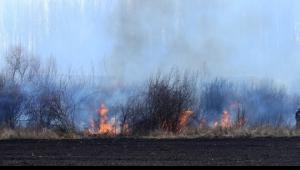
[
  {"x": 168, "y": 111},
  {"x": 149, "y": 82}
]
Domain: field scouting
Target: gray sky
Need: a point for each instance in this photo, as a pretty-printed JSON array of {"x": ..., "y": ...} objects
[{"x": 129, "y": 39}]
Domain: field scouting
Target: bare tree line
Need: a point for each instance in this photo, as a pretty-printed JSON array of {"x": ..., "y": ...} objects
[{"x": 34, "y": 95}]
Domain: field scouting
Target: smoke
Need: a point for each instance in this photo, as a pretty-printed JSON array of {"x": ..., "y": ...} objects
[
  {"x": 233, "y": 39},
  {"x": 158, "y": 35}
]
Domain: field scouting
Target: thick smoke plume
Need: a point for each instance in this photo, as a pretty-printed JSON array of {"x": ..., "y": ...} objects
[{"x": 152, "y": 34}]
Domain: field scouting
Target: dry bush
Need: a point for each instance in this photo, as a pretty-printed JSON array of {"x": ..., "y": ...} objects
[
  {"x": 160, "y": 105},
  {"x": 215, "y": 96},
  {"x": 268, "y": 103},
  {"x": 50, "y": 107},
  {"x": 11, "y": 100},
  {"x": 35, "y": 95}
]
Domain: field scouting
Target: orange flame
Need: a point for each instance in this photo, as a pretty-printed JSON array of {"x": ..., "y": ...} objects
[
  {"x": 105, "y": 126},
  {"x": 184, "y": 119},
  {"x": 226, "y": 120}
]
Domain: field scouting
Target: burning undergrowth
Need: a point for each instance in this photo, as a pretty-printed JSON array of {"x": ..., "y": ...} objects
[
  {"x": 104, "y": 125},
  {"x": 35, "y": 96},
  {"x": 173, "y": 104}
]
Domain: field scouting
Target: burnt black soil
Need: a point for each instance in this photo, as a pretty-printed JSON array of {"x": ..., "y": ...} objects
[{"x": 261, "y": 151}]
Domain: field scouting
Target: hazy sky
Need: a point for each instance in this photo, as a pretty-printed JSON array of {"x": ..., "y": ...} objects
[{"x": 131, "y": 38}]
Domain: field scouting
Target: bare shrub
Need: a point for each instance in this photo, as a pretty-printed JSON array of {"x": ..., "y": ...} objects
[
  {"x": 266, "y": 103},
  {"x": 216, "y": 95},
  {"x": 49, "y": 109},
  {"x": 11, "y": 100},
  {"x": 20, "y": 66},
  {"x": 51, "y": 102},
  {"x": 34, "y": 95},
  {"x": 161, "y": 104}
]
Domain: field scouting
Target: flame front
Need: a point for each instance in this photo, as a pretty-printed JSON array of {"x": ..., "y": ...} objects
[
  {"x": 105, "y": 126},
  {"x": 226, "y": 120},
  {"x": 185, "y": 117}
]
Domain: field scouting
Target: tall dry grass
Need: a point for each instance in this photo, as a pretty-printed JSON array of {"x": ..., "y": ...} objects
[
  {"x": 189, "y": 133},
  {"x": 257, "y": 132},
  {"x": 6, "y": 134}
]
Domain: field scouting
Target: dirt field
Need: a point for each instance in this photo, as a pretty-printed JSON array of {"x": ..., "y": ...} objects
[{"x": 263, "y": 151}]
